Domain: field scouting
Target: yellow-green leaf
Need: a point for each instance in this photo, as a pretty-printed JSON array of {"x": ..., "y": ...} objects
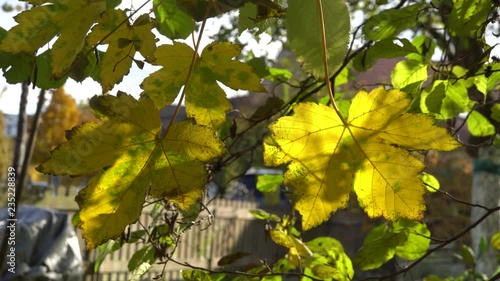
[
  {"x": 479, "y": 126},
  {"x": 205, "y": 99},
  {"x": 431, "y": 183},
  {"x": 124, "y": 41},
  {"x": 132, "y": 159},
  {"x": 71, "y": 20},
  {"x": 495, "y": 240},
  {"x": 328, "y": 158}
]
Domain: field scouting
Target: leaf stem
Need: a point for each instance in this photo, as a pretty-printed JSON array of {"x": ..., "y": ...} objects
[
  {"x": 325, "y": 61},
  {"x": 190, "y": 72}
]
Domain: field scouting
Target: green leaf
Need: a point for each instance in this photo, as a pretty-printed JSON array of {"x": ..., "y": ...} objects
[
  {"x": 481, "y": 83},
  {"x": 172, "y": 21},
  {"x": 195, "y": 275},
  {"x": 206, "y": 101},
  {"x": 324, "y": 271},
  {"x": 467, "y": 255},
  {"x": 259, "y": 64},
  {"x": 389, "y": 23},
  {"x": 70, "y": 20},
  {"x": 418, "y": 239},
  {"x": 495, "y": 241},
  {"x": 142, "y": 269},
  {"x": 111, "y": 4},
  {"x": 425, "y": 46},
  {"x": 493, "y": 76},
  {"x": 146, "y": 254},
  {"x": 305, "y": 35},
  {"x": 387, "y": 48},
  {"x": 263, "y": 215},
  {"x": 269, "y": 183},
  {"x": 468, "y": 17},
  {"x": 104, "y": 250},
  {"x": 279, "y": 74},
  {"x": 479, "y": 126},
  {"x": 433, "y": 277},
  {"x": 44, "y": 78},
  {"x": 431, "y": 183},
  {"x": 86, "y": 65},
  {"x": 331, "y": 254},
  {"x": 495, "y": 112},
  {"x": 16, "y": 68},
  {"x": 249, "y": 17},
  {"x": 445, "y": 99},
  {"x": 124, "y": 40},
  {"x": 379, "y": 247},
  {"x": 409, "y": 74}
]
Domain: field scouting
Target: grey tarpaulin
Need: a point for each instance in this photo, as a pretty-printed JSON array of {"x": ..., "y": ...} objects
[{"x": 46, "y": 246}]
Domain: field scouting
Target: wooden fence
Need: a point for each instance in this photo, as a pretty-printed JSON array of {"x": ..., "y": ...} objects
[{"x": 233, "y": 229}]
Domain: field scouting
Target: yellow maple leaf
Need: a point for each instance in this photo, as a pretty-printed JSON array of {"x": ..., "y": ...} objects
[
  {"x": 124, "y": 41},
  {"x": 71, "y": 20},
  {"x": 206, "y": 102},
  {"x": 134, "y": 161},
  {"x": 327, "y": 158}
]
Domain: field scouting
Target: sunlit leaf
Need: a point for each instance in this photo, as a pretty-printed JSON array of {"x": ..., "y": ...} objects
[
  {"x": 324, "y": 271},
  {"x": 104, "y": 250},
  {"x": 263, "y": 215},
  {"x": 140, "y": 270},
  {"x": 328, "y": 158},
  {"x": 333, "y": 255},
  {"x": 195, "y": 275},
  {"x": 431, "y": 183},
  {"x": 495, "y": 241},
  {"x": 389, "y": 23},
  {"x": 18, "y": 67},
  {"x": 445, "y": 99},
  {"x": 305, "y": 34},
  {"x": 132, "y": 159},
  {"x": 260, "y": 16},
  {"x": 379, "y": 247},
  {"x": 269, "y": 183},
  {"x": 144, "y": 255},
  {"x": 409, "y": 74},
  {"x": 418, "y": 240},
  {"x": 387, "y": 48},
  {"x": 71, "y": 20},
  {"x": 172, "y": 21},
  {"x": 206, "y": 102},
  {"x": 495, "y": 112},
  {"x": 467, "y": 16},
  {"x": 479, "y": 126},
  {"x": 124, "y": 41}
]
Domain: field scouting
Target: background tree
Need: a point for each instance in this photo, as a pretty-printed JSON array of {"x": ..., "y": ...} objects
[{"x": 60, "y": 115}]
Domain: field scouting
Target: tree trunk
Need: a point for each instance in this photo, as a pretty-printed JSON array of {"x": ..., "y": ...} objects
[{"x": 486, "y": 192}]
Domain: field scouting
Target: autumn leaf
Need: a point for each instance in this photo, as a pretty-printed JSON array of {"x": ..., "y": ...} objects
[
  {"x": 132, "y": 161},
  {"x": 327, "y": 158},
  {"x": 206, "y": 102},
  {"x": 71, "y": 20},
  {"x": 124, "y": 41}
]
